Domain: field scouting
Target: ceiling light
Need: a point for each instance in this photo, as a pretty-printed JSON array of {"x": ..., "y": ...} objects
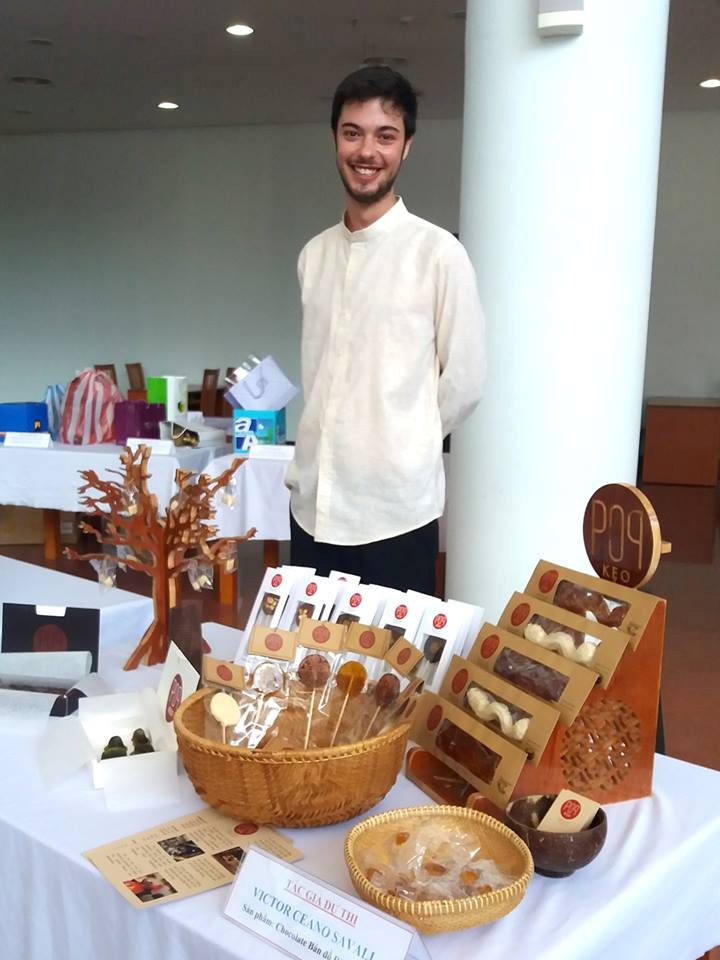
[
  {"x": 31, "y": 81},
  {"x": 710, "y": 83},
  {"x": 239, "y": 30},
  {"x": 168, "y": 105},
  {"x": 384, "y": 61}
]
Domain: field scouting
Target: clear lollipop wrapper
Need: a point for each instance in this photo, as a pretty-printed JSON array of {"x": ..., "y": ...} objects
[
  {"x": 430, "y": 860},
  {"x": 200, "y": 574},
  {"x": 106, "y": 570}
]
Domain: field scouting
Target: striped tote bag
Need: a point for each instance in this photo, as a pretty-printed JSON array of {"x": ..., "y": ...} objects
[{"x": 89, "y": 409}]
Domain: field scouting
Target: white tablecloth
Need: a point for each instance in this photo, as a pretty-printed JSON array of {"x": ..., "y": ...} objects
[
  {"x": 651, "y": 893},
  {"x": 124, "y": 616},
  {"x": 261, "y": 500},
  {"x": 50, "y": 478}
]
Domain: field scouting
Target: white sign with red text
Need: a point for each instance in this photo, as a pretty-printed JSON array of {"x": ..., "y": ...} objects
[{"x": 309, "y": 919}]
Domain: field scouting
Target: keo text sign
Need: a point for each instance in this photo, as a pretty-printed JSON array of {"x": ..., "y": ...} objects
[{"x": 622, "y": 535}]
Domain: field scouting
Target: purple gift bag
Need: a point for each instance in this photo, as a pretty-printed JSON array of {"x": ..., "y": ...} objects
[{"x": 136, "y": 418}]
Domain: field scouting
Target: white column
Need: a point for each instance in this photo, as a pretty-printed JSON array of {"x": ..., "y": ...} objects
[{"x": 559, "y": 179}]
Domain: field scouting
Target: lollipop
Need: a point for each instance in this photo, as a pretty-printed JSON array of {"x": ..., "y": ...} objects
[
  {"x": 267, "y": 679},
  {"x": 313, "y": 673},
  {"x": 386, "y": 691},
  {"x": 350, "y": 679},
  {"x": 225, "y": 710}
]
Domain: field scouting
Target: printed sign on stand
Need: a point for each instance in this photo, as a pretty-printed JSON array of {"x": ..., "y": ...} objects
[{"x": 309, "y": 919}]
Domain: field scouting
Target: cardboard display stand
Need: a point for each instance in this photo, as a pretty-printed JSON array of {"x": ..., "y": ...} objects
[{"x": 607, "y": 750}]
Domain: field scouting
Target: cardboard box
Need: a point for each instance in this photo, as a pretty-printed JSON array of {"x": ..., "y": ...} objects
[
  {"x": 539, "y": 672},
  {"x": 479, "y": 755},
  {"x": 257, "y": 426},
  {"x": 172, "y": 392},
  {"x": 541, "y": 717},
  {"x": 595, "y": 646},
  {"x": 23, "y": 418}
]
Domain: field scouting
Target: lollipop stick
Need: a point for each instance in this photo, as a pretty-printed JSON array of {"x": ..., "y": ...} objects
[
  {"x": 340, "y": 716},
  {"x": 224, "y": 734},
  {"x": 374, "y": 718},
  {"x": 309, "y": 721}
]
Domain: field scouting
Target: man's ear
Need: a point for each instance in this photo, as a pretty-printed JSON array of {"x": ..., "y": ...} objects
[{"x": 406, "y": 148}]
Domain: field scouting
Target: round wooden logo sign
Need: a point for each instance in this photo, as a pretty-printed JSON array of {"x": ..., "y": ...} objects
[{"x": 622, "y": 535}]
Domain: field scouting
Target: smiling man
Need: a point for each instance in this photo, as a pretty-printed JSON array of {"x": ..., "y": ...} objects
[{"x": 393, "y": 356}]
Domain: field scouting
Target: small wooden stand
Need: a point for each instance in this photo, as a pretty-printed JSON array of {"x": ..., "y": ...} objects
[{"x": 607, "y": 753}]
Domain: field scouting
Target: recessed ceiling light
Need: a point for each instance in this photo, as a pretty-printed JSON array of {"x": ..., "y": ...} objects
[
  {"x": 710, "y": 83},
  {"x": 31, "y": 81},
  {"x": 168, "y": 105},
  {"x": 239, "y": 30},
  {"x": 384, "y": 61}
]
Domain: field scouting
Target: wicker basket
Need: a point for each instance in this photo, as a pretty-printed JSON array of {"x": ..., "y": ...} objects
[
  {"x": 442, "y": 916},
  {"x": 292, "y": 788}
]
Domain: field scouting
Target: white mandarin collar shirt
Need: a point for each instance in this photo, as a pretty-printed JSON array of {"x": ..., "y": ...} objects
[{"x": 393, "y": 359}]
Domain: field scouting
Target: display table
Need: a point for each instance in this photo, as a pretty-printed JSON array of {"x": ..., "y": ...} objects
[
  {"x": 652, "y": 892},
  {"x": 124, "y": 616},
  {"x": 49, "y": 478}
]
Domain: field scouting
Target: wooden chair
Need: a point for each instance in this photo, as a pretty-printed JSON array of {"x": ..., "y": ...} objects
[
  {"x": 136, "y": 376},
  {"x": 109, "y": 369},
  {"x": 136, "y": 381},
  {"x": 208, "y": 392}
]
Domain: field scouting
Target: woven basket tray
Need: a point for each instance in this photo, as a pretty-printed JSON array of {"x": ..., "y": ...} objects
[
  {"x": 442, "y": 916},
  {"x": 292, "y": 788}
]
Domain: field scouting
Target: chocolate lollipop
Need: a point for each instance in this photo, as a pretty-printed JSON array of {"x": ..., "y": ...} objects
[
  {"x": 225, "y": 710},
  {"x": 313, "y": 673},
  {"x": 350, "y": 679},
  {"x": 386, "y": 691}
]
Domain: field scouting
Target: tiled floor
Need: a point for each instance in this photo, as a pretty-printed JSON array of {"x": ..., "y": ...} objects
[{"x": 691, "y": 671}]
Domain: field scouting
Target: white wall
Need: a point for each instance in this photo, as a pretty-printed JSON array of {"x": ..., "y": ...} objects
[
  {"x": 683, "y": 353},
  {"x": 175, "y": 248}
]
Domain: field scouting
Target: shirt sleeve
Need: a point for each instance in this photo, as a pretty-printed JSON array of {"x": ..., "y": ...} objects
[{"x": 459, "y": 336}]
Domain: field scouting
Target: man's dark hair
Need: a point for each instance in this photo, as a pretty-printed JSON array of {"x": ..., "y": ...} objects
[{"x": 371, "y": 82}]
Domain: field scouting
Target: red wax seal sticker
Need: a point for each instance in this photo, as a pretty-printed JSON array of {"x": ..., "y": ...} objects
[
  {"x": 489, "y": 646},
  {"x": 273, "y": 642},
  {"x": 245, "y": 829},
  {"x": 224, "y": 672},
  {"x": 547, "y": 581},
  {"x": 403, "y": 656},
  {"x": 367, "y": 639},
  {"x": 400, "y": 612},
  {"x": 311, "y": 589},
  {"x": 355, "y": 600},
  {"x": 321, "y": 634},
  {"x": 276, "y": 580},
  {"x": 434, "y": 717},
  {"x": 459, "y": 680},
  {"x": 519, "y": 614},
  {"x": 174, "y": 698},
  {"x": 439, "y": 621},
  {"x": 570, "y": 809},
  {"x": 49, "y": 639}
]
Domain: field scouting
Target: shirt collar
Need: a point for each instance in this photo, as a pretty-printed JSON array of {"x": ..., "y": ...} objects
[{"x": 384, "y": 224}]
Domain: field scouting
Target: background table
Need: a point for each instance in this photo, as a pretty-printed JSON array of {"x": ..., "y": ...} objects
[
  {"x": 49, "y": 478},
  {"x": 652, "y": 892},
  {"x": 124, "y": 616}
]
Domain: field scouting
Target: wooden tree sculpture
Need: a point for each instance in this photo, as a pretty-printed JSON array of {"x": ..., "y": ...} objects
[{"x": 161, "y": 545}]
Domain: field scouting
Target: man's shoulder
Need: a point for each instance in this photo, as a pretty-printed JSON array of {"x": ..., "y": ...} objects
[
  {"x": 321, "y": 239},
  {"x": 433, "y": 234}
]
